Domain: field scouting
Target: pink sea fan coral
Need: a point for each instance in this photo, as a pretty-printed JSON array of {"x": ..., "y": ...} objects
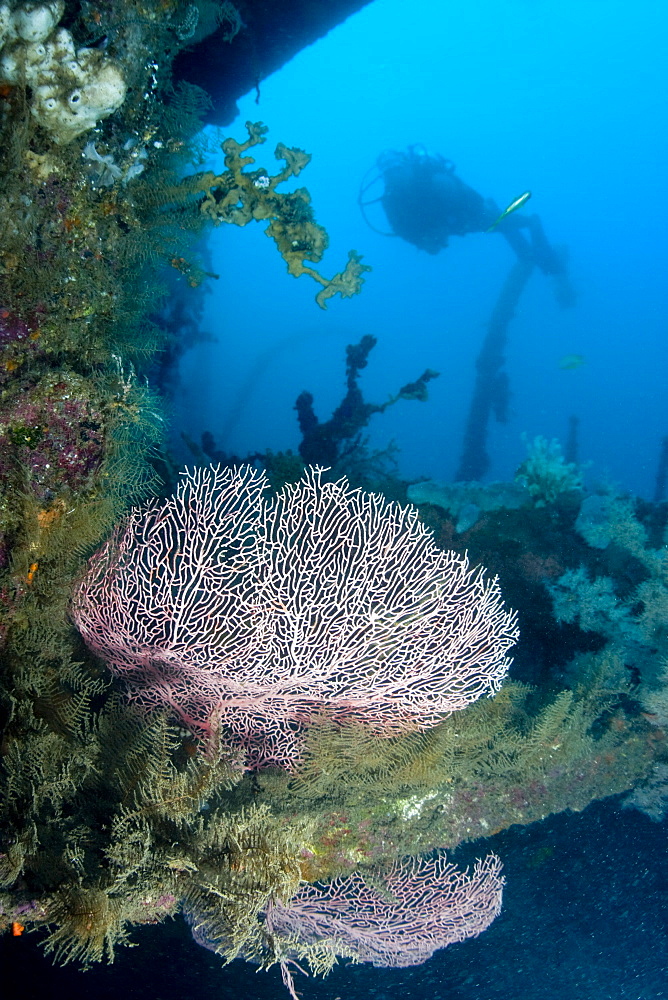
[
  {"x": 420, "y": 905},
  {"x": 423, "y": 904},
  {"x": 258, "y": 615}
]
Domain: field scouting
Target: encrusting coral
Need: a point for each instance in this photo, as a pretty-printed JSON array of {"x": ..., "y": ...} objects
[{"x": 329, "y": 442}]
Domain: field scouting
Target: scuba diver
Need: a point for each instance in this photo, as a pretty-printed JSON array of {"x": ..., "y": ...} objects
[{"x": 426, "y": 203}]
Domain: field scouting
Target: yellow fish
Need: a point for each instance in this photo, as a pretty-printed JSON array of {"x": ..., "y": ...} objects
[
  {"x": 514, "y": 205},
  {"x": 570, "y": 362}
]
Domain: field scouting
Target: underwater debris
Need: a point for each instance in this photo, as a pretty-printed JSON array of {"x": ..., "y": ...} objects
[{"x": 327, "y": 443}]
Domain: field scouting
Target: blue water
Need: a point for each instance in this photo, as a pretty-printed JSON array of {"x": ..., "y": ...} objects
[{"x": 566, "y": 99}]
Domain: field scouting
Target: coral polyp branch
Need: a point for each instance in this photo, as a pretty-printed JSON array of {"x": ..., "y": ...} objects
[{"x": 238, "y": 196}]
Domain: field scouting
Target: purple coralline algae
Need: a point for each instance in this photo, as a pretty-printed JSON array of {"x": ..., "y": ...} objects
[{"x": 54, "y": 431}]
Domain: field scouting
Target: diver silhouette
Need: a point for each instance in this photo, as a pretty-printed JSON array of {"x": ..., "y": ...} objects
[{"x": 426, "y": 203}]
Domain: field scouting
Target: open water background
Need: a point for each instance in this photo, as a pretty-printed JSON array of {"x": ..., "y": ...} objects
[{"x": 563, "y": 97}]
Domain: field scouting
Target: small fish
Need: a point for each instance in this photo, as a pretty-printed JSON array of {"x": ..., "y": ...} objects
[
  {"x": 570, "y": 362},
  {"x": 514, "y": 205}
]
